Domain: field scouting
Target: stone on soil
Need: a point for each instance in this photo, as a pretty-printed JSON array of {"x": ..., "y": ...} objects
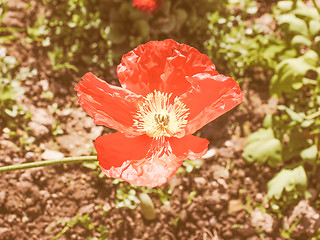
[
  {"x": 38, "y": 130},
  {"x": 309, "y": 220},
  {"x": 263, "y": 221},
  {"x": 235, "y": 205},
  {"x": 42, "y": 116},
  {"x": 51, "y": 154}
]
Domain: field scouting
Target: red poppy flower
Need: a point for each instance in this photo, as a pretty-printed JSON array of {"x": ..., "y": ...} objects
[
  {"x": 169, "y": 91},
  {"x": 148, "y": 6}
]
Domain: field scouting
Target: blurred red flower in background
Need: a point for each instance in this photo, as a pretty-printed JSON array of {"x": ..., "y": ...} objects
[
  {"x": 148, "y": 6},
  {"x": 169, "y": 91}
]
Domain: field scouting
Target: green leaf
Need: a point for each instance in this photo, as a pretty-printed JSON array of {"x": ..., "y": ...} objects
[
  {"x": 142, "y": 27},
  {"x": 117, "y": 35},
  {"x": 285, "y": 6},
  {"x": 91, "y": 165},
  {"x": 147, "y": 207},
  {"x": 311, "y": 57},
  {"x": 309, "y": 154},
  {"x": 10, "y": 92},
  {"x": 296, "y": 142},
  {"x": 291, "y": 72},
  {"x": 12, "y": 112},
  {"x": 314, "y": 27},
  {"x": 307, "y": 13},
  {"x": 307, "y": 123},
  {"x": 181, "y": 15},
  {"x": 299, "y": 40},
  {"x": 262, "y": 147},
  {"x": 293, "y": 24},
  {"x": 286, "y": 180},
  {"x": 261, "y": 134},
  {"x": 298, "y": 117},
  {"x": 267, "y": 121}
]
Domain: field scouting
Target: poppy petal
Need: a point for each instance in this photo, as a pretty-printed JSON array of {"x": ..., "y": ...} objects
[
  {"x": 208, "y": 98},
  {"x": 108, "y": 105},
  {"x": 144, "y": 161},
  {"x": 189, "y": 146},
  {"x": 164, "y": 66}
]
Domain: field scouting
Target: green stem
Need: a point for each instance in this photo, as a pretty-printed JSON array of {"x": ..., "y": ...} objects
[
  {"x": 47, "y": 163},
  {"x": 316, "y": 5}
]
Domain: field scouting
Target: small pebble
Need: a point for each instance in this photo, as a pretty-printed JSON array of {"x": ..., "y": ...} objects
[
  {"x": 210, "y": 153},
  {"x": 25, "y": 219},
  {"x": 29, "y": 156}
]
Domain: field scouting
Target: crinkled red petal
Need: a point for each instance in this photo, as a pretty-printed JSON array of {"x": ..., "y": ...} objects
[
  {"x": 208, "y": 98},
  {"x": 108, "y": 105},
  {"x": 143, "y": 161},
  {"x": 165, "y": 66},
  {"x": 189, "y": 146}
]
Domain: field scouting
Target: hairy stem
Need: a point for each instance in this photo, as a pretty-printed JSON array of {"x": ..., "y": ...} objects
[{"x": 47, "y": 163}]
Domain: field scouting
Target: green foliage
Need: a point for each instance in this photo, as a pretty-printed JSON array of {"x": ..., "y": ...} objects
[
  {"x": 263, "y": 147},
  {"x": 126, "y": 197},
  {"x": 300, "y": 26},
  {"x": 189, "y": 165},
  {"x": 10, "y": 88},
  {"x": 72, "y": 31},
  {"x": 94, "y": 166},
  {"x": 287, "y": 188},
  {"x": 289, "y": 73},
  {"x": 234, "y": 45},
  {"x": 286, "y": 180},
  {"x": 86, "y": 222},
  {"x": 286, "y": 233},
  {"x": 192, "y": 194},
  {"x": 126, "y": 194},
  {"x": 7, "y": 34},
  {"x": 164, "y": 193},
  {"x": 56, "y": 129},
  {"x": 292, "y": 133},
  {"x": 81, "y": 33},
  {"x": 309, "y": 154},
  {"x": 3, "y": 9}
]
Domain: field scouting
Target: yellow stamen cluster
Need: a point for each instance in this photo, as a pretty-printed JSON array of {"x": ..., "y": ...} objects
[{"x": 158, "y": 117}]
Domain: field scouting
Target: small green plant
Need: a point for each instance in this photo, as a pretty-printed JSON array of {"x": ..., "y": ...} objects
[
  {"x": 126, "y": 197},
  {"x": 10, "y": 90},
  {"x": 290, "y": 137},
  {"x": 56, "y": 129},
  {"x": 164, "y": 193},
  {"x": 94, "y": 166},
  {"x": 85, "y": 222},
  {"x": 192, "y": 194},
  {"x": 3, "y": 9},
  {"x": 10, "y": 87},
  {"x": 286, "y": 188},
  {"x": 190, "y": 165},
  {"x": 91, "y": 33},
  {"x": 7, "y": 34},
  {"x": 235, "y": 43},
  {"x": 286, "y": 233},
  {"x": 127, "y": 194}
]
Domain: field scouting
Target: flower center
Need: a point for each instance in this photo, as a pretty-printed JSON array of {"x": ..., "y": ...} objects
[{"x": 157, "y": 116}]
